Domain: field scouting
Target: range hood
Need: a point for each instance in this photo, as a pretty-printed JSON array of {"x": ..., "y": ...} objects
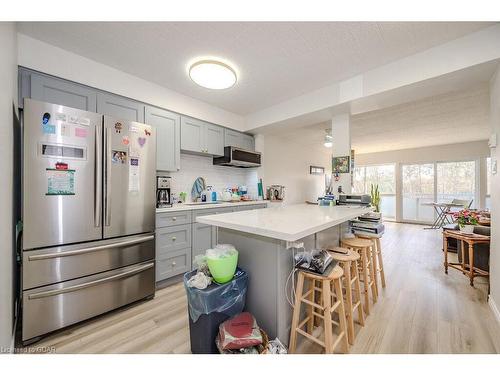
[{"x": 238, "y": 157}]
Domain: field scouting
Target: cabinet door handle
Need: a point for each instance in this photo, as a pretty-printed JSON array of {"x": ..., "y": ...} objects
[
  {"x": 174, "y": 264},
  {"x": 174, "y": 238},
  {"x": 174, "y": 218}
]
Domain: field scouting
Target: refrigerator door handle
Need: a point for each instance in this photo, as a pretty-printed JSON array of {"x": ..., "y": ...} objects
[
  {"x": 89, "y": 284},
  {"x": 98, "y": 176},
  {"x": 91, "y": 249},
  {"x": 108, "y": 179}
]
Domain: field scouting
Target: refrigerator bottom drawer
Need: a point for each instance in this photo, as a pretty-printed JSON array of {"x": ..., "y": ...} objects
[
  {"x": 61, "y": 263},
  {"x": 56, "y": 306}
]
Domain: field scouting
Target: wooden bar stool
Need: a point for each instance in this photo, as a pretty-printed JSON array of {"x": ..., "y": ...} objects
[
  {"x": 331, "y": 301},
  {"x": 378, "y": 251},
  {"x": 349, "y": 263},
  {"x": 364, "y": 249}
]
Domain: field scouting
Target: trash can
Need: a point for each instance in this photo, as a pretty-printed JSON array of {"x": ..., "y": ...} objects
[{"x": 209, "y": 307}]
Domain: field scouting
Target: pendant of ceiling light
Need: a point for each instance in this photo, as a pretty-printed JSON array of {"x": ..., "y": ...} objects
[
  {"x": 212, "y": 74},
  {"x": 328, "y": 142}
]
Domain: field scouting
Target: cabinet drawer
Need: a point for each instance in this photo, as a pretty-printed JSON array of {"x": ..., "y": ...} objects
[
  {"x": 211, "y": 211},
  {"x": 172, "y": 264},
  {"x": 172, "y": 238},
  {"x": 167, "y": 219}
]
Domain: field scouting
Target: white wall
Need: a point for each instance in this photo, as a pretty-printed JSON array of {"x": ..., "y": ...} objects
[
  {"x": 451, "y": 152},
  {"x": 8, "y": 95},
  {"x": 495, "y": 198},
  {"x": 287, "y": 163},
  {"x": 49, "y": 59},
  {"x": 220, "y": 177}
]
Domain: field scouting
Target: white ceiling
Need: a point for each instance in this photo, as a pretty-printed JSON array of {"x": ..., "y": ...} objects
[
  {"x": 443, "y": 119},
  {"x": 275, "y": 61}
]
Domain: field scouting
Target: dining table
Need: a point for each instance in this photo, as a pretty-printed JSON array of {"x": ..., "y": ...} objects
[{"x": 441, "y": 209}]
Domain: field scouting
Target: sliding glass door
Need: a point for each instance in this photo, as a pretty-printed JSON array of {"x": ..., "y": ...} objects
[
  {"x": 417, "y": 188},
  {"x": 385, "y": 177},
  {"x": 456, "y": 180}
]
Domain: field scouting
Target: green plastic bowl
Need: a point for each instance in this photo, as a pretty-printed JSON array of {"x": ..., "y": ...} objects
[{"x": 222, "y": 269}]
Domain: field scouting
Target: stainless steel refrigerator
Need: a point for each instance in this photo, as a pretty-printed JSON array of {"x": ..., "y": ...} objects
[{"x": 88, "y": 215}]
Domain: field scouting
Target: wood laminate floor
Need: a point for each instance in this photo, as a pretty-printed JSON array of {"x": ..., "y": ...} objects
[{"x": 421, "y": 310}]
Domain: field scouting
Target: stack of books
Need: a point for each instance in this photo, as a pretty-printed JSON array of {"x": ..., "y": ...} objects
[{"x": 368, "y": 224}]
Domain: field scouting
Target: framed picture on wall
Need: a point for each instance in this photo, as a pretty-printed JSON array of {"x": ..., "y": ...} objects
[{"x": 341, "y": 164}]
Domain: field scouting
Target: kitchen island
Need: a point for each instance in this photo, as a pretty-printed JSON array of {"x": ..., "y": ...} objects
[{"x": 265, "y": 239}]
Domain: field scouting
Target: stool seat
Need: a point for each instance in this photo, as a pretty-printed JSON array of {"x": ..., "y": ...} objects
[
  {"x": 356, "y": 242},
  {"x": 349, "y": 257},
  {"x": 336, "y": 273}
]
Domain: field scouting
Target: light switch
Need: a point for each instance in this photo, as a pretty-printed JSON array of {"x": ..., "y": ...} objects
[{"x": 494, "y": 166}]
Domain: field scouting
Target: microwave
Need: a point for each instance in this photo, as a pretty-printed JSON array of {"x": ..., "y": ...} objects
[{"x": 238, "y": 157}]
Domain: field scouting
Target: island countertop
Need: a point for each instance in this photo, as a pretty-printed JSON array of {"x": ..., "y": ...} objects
[{"x": 288, "y": 223}]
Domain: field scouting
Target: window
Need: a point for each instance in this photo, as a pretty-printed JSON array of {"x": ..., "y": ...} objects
[
  {"x": 418, "y": 188},
  {"x": 456, "y": 180},
  {"x": 384, "y": 177}
]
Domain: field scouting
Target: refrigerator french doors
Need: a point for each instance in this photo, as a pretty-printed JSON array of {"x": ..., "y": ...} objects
[
  {"x": 130, "y": 167},
  {"x": 62, "y": 199},
  {"x": 88, "y": 214}
]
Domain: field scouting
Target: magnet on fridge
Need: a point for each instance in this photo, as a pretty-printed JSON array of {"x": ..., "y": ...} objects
[
  {"x": 80, "y": 132},
  {"x": 141, "y": 141},
  {"x": 45, "y": 118},
  {"x": 73, "y": 119},
  {"x": 60, "y": 117},
  {"x": 147, "y": 132},
  {"x": 84, "y": 121},
  {"x": 64, "y": 129},
  {"x": 125, "y": 140},
  {"x": 48, "y": 129},
  {"x": 118, "y": 127}
]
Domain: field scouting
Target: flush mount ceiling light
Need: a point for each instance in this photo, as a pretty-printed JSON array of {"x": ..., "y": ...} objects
[
  {"x": 328, "y": 138},
  {"x": 212, "y": 74}
]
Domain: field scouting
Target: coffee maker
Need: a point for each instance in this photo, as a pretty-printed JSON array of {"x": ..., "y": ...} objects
[{"x": 163, "y": 192}]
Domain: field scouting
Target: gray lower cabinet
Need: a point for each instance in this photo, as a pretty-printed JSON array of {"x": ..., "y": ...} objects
[
  {"x": 168, "y": 137},
  {"x": 120, "y": 107},
  {"x": 58, "y": 91},
  {"x": 204, "y": 237},
  {"x": 179, "y": 238},
  {"x": 169, "y": 264}
]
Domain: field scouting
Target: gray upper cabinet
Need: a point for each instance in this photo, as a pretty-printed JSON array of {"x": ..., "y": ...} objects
[
  {"x": 58, "y": 91},
  {"x": 215, "y": 140},
  {"x": 248, "y": 142},
  {"x": 192, "y": 134},
  {"x": 168, "y": 137},
  {"x": 237, "y": 139},
  {"x": 232, "y": 138},
  {"x": 201, "y": 137},
  {"x": 120, "y": 107}
]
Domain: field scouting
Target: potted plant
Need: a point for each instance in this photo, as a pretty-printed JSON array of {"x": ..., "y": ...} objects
[
  {"x": 375, "y": 195},
  {"x": 466, "y": 220}
]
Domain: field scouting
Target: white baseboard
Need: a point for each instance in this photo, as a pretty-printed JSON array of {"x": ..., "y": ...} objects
[{"x": 494, "y": 308}]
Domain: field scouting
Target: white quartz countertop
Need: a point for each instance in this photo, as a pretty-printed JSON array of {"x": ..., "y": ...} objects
[
  {"x": 288, "y": 223},
  {"x": 204, "y": 205}
]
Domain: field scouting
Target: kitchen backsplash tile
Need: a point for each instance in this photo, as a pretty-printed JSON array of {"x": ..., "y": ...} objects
[{"x": 193, "y": 166}]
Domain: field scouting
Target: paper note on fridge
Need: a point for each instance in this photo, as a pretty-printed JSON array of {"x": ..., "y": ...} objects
[
  {"x": 133, "y": 175},
  {"x": 60, "y": 181}
]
